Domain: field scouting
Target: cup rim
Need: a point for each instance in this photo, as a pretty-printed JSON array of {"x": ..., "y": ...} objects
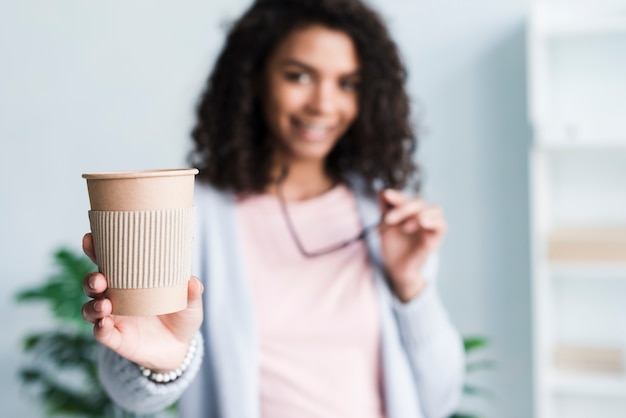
[{"x": 132, "y": 174}]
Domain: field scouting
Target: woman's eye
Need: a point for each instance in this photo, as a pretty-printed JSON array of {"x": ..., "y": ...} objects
[
  {"x": 298, "y": 77},
  {"x": 350, "y": 85}
]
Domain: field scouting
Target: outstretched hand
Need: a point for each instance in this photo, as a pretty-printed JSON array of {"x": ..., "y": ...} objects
[
  {"x": 156, "y": 342},
  {"x": 412, "y": 231}
]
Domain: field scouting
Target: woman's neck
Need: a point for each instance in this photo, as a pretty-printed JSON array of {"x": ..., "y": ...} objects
[{"x": 304, "y": 180}]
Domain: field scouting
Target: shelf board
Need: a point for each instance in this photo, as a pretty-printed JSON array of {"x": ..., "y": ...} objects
[
  {"x": 588, "y": 384},
  {"x": 564, "y": 145},
  {"x": 558, "y": 21},
  {"x": 588, "y": 270},
  {"x": 606, "y": 244},
  {"x": 581, "y": 27}
]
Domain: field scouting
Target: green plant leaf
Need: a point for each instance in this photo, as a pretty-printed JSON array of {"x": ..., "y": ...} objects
[
  {"x": 87, "y": 399},
  {"x": 63, "y": 401},
  {"x": 480, "y": 365},
  {"x": 477, "y": 391},
  {"x": 30, "y": 342},
  {"x": 464, "y": 415},
  {"x": 473, "y": 343},
  {"x": 30, "y": 375},
  {"x": 62, "y": 349},
  {"x": 63, "y": 290}
]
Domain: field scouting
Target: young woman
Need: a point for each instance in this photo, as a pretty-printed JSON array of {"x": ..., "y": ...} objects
[{"x": 320, "y": 297}]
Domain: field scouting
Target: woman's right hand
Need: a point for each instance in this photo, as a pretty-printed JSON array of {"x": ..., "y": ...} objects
[{"x": 156, "y": 342}]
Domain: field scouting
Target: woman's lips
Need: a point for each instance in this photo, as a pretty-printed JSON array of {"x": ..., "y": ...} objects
[{"x": 312, "y": 131}]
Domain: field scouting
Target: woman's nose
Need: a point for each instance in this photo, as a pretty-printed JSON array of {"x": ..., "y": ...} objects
[{"x": 323, "y": 98}]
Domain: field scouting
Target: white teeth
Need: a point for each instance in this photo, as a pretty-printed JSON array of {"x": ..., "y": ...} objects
[{"x": 313, "y": 127}]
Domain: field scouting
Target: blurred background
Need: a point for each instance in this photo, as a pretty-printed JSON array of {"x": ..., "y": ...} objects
[{"x": 106, "y": 86}]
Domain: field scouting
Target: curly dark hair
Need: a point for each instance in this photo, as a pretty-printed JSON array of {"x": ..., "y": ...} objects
[{"x": 230, "y": 135}]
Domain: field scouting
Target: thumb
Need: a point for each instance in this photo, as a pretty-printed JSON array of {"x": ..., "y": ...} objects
[
  {"x": 195, "y": 288},
  {"x": 388, "y": 199}
]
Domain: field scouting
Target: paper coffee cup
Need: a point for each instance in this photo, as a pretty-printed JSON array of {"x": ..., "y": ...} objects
[{"x": 142, "y": 226}]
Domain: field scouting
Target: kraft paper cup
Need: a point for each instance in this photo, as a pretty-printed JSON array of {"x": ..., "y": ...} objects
[{"x": 142, "y": 227}]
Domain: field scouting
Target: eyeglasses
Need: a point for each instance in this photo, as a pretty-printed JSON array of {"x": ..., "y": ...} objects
[{"x": 296, "y": 239}]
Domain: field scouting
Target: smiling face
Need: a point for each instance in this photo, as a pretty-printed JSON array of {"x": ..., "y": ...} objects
[{"x": 311, "y": 96}]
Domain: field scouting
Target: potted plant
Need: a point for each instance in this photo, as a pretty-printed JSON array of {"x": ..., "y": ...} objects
[
  {"x": 62, "y": 361},
  {"x": 472, "y": 344}
]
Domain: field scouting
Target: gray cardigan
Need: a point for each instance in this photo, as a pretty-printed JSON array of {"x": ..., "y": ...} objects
[{"x": 422, "y": 353}]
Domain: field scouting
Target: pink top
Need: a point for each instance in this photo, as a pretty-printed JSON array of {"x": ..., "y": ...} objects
[{"x": 317, "y": 318}]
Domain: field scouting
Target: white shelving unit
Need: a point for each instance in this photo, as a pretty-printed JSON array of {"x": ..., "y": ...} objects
[{"x": 577, "y": 108}]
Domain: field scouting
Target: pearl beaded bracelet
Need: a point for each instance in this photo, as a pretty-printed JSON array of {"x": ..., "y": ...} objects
[{"x": 167, "y": 377}]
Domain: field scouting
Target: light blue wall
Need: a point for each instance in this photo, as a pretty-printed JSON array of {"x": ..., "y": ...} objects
[
  {"x": 90, "y": 86},
  {"x": 468, "y": 79}
]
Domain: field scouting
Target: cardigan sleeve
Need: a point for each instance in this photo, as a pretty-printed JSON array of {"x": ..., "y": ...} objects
[
  {"x": 127, "y": 387},
  {"x": 434, "y": 347}
]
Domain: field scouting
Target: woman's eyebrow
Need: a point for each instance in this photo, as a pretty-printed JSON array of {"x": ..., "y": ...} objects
[{"x": 292, "y": 61}]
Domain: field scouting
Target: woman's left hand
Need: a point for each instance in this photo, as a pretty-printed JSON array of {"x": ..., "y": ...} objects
[{"x": 412, "y": 231}]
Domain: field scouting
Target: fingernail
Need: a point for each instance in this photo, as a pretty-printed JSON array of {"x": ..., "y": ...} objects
[
  {"x": 97, "y": 306},
  {"x": 388, "y": 192},
  {"x": 92, "y": 282}
]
